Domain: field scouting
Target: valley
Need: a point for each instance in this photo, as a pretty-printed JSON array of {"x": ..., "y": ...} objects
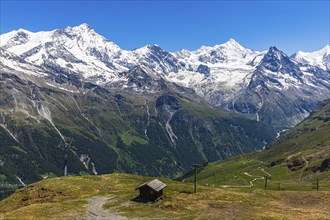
[
  {"x": 297, "y": 161},
  {"x": 74, "y": 103}
]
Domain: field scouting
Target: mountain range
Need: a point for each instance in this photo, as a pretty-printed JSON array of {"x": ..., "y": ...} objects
[
  {"x": 268, "y": 86},
  {"x": 71, "y": 93}
]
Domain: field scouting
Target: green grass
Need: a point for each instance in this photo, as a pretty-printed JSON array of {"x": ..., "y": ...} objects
[
  {"x": 128, "y": 139},
  {"x": 293, "y": 161},
  {"x": 66, "y": 198},
  {"x": 205, "y": 110}
]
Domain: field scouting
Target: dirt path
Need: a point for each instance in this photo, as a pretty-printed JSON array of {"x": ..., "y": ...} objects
[
  {"x": 95, "y": 210},
  {"x": 293, "y": 155},
  {"x": 251, "y": 182},
  {"x": 262, "y": 169},
  {"x": 247, "y": 186}
]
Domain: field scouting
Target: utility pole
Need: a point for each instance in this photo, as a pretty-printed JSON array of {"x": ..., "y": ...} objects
[
  {"x": 195, "y": 166},
  {"x": 266, "y": 178}
]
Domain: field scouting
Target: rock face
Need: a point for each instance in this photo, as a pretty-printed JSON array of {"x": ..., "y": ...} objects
[{"x": 72, "y": 92}]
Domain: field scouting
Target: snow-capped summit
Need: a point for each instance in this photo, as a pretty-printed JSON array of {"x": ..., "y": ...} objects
[
  {"x": 320, "y": 58},
  {"x": 227, "y": 53},
  {"x": 230, "y": 44},
  {"x": 233, "y": 44},
  {"x": 77, "y": 50},
  {"x": 21, "y": 41},
  {"x": 277, "y": 61},
  {"x": 276, "y": 65},
  {"x": 156, "y": 58},
  {"x": 83, "y": 27}
]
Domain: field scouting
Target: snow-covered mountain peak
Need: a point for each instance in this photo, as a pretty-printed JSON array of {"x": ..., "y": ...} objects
[
  {"x": 82, "y": 36},
  {"x": 84, "y": 26},
  {"x": 232, "y": 41},
  {"x": 231, "y": 44},
  {"x": 148, "y": 47},
  {"x": 275, "y": 62},
  {"x": 12, "y": 34},
  {"x": 80, "y": 30},
  {"x": 324, "y": 51},
  {"x": 275, "y": 53},
  {"x": 229, "y": 52},
  {"x": 22, "y": 32},
  {"x": 147, "y": 50},
  {"x": 320, "y": 58},
  {"x": 21, "y": 41}
]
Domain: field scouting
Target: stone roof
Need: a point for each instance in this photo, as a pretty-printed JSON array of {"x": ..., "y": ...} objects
[{"x": 154, "y": 184}]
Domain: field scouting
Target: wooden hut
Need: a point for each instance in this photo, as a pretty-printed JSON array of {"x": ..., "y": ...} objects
[{"x": 152, "y": 190}]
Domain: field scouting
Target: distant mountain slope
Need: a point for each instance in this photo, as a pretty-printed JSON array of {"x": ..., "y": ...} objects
[
  {"x": 102, "y": 132},
  {"x": 227, "y": 75},
  {"x": 297, "y": 158}
]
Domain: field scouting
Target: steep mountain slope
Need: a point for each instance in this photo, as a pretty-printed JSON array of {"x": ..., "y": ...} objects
[
  {"x": 279, "y": 92},
  {"x": 268, "y": 87},
  {"x": 48, "y": 121},
  {"x": 227, "y": 75},
  {"x": 295, "y": 160}
]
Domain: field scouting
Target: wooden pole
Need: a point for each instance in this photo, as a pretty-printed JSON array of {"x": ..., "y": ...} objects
[
  {"x": 317, "y": 184},
  {"x": 195, "y": 177},
  {"x": 266, "y": 178},
  {"x": 195, "y": 180}
]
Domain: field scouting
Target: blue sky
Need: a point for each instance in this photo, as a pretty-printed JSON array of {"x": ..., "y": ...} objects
[{"x": 289, "y": 25}]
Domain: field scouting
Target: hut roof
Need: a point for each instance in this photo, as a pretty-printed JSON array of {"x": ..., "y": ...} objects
[{"x": 154, "y": 184}]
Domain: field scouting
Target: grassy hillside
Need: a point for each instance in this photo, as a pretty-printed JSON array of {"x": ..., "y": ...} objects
[
  {"x": 294, "y": 162},
  {"x": 71, "y": 198}
]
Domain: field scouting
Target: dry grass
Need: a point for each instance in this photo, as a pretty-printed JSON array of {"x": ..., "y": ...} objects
[{"x": 64, "y": 198}]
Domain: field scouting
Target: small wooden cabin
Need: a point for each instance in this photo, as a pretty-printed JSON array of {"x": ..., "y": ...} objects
[{"x": 152, "y": 190}]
